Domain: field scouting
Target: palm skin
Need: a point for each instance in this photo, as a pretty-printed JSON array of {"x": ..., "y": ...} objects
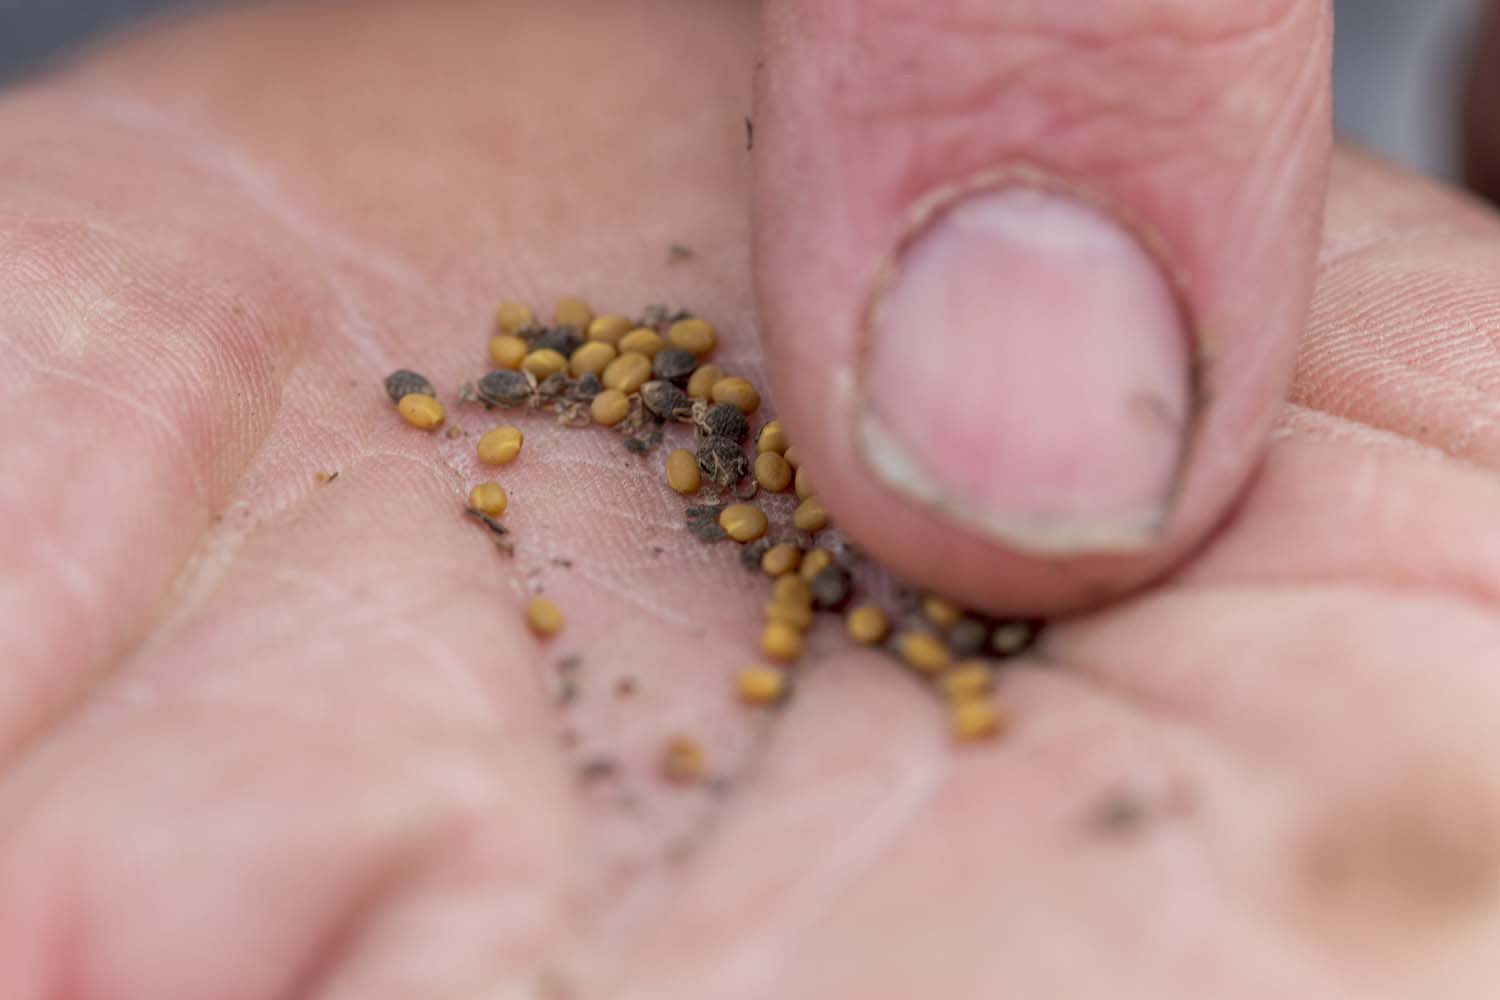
[{"x": 269, "y": 738}]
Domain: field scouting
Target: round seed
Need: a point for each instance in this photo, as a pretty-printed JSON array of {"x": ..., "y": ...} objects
[
  {"x": 402, "y": 382},
  {"x": 781, "y": 642},
  {"x": 544, "y": 617},
  {"x": 591, "y": 358},
  {"x": 803, "y": 484},
  {"x": 665, "y": 400},
  {"x": 692, "y": 335},
  {"x": 609, "y": 328},
  {"x": 867, "y": 624},
  {"x": 488, "y": 498},
  {"x": 683, "y": 760},
  {"x": 421, "y": 411},
  {"x": 772, "y": 472},
  {"x": 722, "y": 420},
  {"x": 772, "y": 438},
  {"x": 627, "y": 373},
  {"x": 781, "y": 559},
  {"x": 572, "y": 312},
  {"x": 743, "y": 522},
  {"x": 544, "y": 362},
  {"x": 943, "y": 614},
  {"x": 682, "y": 472},
  {"x": 504, "y": 388},
  {"x": 814, "y": 562},
  {"x": 974, "y": 719},
  {"x": 512, "y": 316},
  {"x": 969, "y": 679},
  {"x": 610, "y": 407},
  {"x": 760, "y": 685},
  {"x": 794, "y": 614},
  {"x": 674, "y": 365},
  {"x": 737, "y": 392},
  {"x": 642, "y": 340},
  {"x": 499, "y": 446},
  {"x": 791, "y": 589},
  {"x": 923, "y": 651},
  {"x": 791, "y": 456},
  {"x": 701, "y": 382},
  {"x": 810, "y": 515},
  {"x": 508, "y": 351},
  {"x": 830, "y": 587},
  {"x": 722, "y": 460}
]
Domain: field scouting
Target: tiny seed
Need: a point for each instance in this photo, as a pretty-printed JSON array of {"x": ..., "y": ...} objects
[
  {"x": 791, "y": 456},
  {"x": 969, "y": 679},
  {"x": 508, "y": 351},
  {"x": 791, "y": 589},
  {"x": 512, "y": 316},
  {"x": 609, "y": 329},
  {"x": 772, "y": 438},
  {"x": 943, "y": 614},
  {"x": 760, "y": 685},
  {"x": 814, "y": 562},
  {"x": 810, "y": 515},
  {"x": 793, "y": 614},
  {"x": 723, "y": 420},
  {"x": 488, "y": 498},
  {"x": 772, "y": 472},
  {"x": 743, "y": 522},
  {"x": 421, "y": 411},
  {"x": 665, "y": 400},
  {"x": 867, "y": 624},
  {"x": 701, "y": 382},
  {"x": 627, "y": 373},
  {"x": 544, "y": 617},
  {"x": 692, "y": 335},
  {"x": 674, "y": 364},
  {"x": 591, "y": 358},
  {"x": 401, "y": 383},
  {"x": 682, "y": 472},
  {"x": 722, "y": 460},
  {"x": 968, "y": 637},
  {"x": 781, "y": 559},
  {"x": 562, "y": 339},
  {"x": 830, "y": 587},
  {"x": 642, "y": 340},
  {"x": 498, "y": 446},
  {"x": 1014, "y": 637},
  {"x": 572, "y": 312},
  {"x": 781, "y": 642},
  {"x": 737, "y": 392},
  {"x": 683, "y": 760},
  {"x": 803, "y": 484},
  {"x": 610, "y": 407},
  {"x": 544, "y": 362},
  {"x": 504, "y": 388},
  {"x": 923, "y": 651},
  {"x": 975, "y": 719}
]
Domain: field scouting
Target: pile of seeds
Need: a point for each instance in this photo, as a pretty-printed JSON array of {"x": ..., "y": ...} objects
[{"x": 635, "y": 376}]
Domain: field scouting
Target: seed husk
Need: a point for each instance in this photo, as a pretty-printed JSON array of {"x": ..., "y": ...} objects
[
  {"x": 562, "y": 339},
  {"x": 627, "y": 373},
  {"x": 504, "y": 388},
  {"x": 574, "y": 312},
  {"x": 792, "y": 589},
  {"x": 642, "y": 340},
  {"x": 591, "y": 358},
  {"x": 743, "y": 522},
  {"x": 867, "y": 624},
  {"x": 942, "y": 613},
  {"x": 720, "y": 420},
  {"x": 967, "y": 679},
  {"x": 772, "y": 472},
  {"x": 674, "y": 364},
  {"x": 830, "y": 587},
  {"x": 403, "y": 382},
  {"x": 975, "y": 719},
  {"x": 701, "y": 382},
  {"x": 488, "y": 498},
  {"x": 609, "y": 329},
  {"x": 508, "y": 351},
  {"x": 794, "y": 614},
  {"x": 771, "y": 438},
  {"x": 586, "y": 388},
  {"x": 781, "y": 642},
  {"x": 683, "y": 760},
  {"x": 752, "y": 553},
  {"x": 692, "y": 335},
  {"x": 815, "y": 561},
  {"x": 512, "y": 316},
  {"x": 682, "y": 471},
  {"x": 923, "y": 651},
  {"x": 737, "y": 392},
  {"x": 703, "y": 522},
  {"x": 722, "y": 460},
  {"x": 500, "y": 445},
  {"x": 421, "y": 411},
  {"x": 544, "y": 617},
  {"x": 610, "y": 407},
  {"x": 665, "y": 400},
  {"x": 810, "y": 515},
  {"x": 761, "y": 685},
  {"x": 781, "y": 559},
  {"x": 544, "y": 363}
]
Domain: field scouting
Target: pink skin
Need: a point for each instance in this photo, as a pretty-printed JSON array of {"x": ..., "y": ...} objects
[{"x": 265, "y": 738}]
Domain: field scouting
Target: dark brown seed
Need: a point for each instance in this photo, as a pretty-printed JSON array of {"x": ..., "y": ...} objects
[
  {"x": 587, "y": 387},
  {"x": 562, "y": 339},
  {"x": 674, "y": 364},
  {"x": 665, "y": 400},
  {"x": 643, "y": 445},
  {"x": 750, "y": 555},
  {"x": 703, "y": 523},
  {"x": 968, "y": 637},
  {"x": 403, "y": 383},
  {"x": 723, "y": 420},
  {"x": 830, "y": 588},
  {"x": 504, "y": 388},
  {"x": 722, "y": 460}
]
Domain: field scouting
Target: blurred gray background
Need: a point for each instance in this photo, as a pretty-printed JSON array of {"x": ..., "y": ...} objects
[{"x": 1397, "y": 65}]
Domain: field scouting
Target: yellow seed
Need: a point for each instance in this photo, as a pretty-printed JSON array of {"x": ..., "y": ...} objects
[
  {"x": 803, "y": 484},
  {"x": 791, "y": 456},
  {"x": 544, "y": 362},
  {"x": 737, "y": 392},
  {"x": 701, "y": 382},
  {"x": 609, "y": 329},
  {"x": 762, "y": 685},
  {"x": 692, "y": 335},
  {"x": 743, "y": 522},
  {"x": 975, "y": 719},
  {"x": 627, "y": 373},
  {"x": 781, "y": 641},
  {"x": 420, "y": 410},
  {"x": 682, "y": 471},
  {"x": 499, "y": 446},
  {"x": 609, "y": 407},
  {"x": 924, "y": 651},
  {"x": 511, "y": 316},
  {"x": 642, "y": 340},
  {"x": 488, "y": 498},
  {"x": 572, "y": 312},
  {"x": 943, "y": 614},
  {"x": 810, "y": 515},
  {"x": 867, "y": 624},
  {"x": 814, "y": 562},
  {"x": 772, "y": 472},
  {"x": 683, "y": 760},
  {"x": 772, "y": 437},
  {"x": 508, "y": 351},
  {"x": 591, "y": 358},
  {"x": 794, "y": 614},
  {"x": 781, "y": 559},
  {"x": 969, "y": 679},
  {"x": 792, "y": 589},
  {"x": 544, "y": 617}
]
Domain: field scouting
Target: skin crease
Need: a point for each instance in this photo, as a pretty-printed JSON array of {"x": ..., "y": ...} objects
[{"x": 265, "y": 738}]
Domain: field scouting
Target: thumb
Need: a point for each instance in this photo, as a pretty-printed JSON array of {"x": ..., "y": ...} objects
[{"x": 1032, "y": 274}]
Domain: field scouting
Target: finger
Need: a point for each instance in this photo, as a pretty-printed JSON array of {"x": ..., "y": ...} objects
[{"x": 1032, "y": 274}]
